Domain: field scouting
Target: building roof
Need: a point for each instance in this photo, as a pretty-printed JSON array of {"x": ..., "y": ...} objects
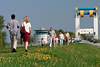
[{"x": 41, "y": 30}]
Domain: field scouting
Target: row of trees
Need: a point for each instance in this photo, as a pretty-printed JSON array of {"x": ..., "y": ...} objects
[
  {"x": 2, "y": 34},
  {"x": 72, "y": 34}
]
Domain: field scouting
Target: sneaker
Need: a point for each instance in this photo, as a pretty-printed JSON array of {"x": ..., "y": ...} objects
[
  {"x": 26, "y": 50},
  {"x": 13, "y": 50}
]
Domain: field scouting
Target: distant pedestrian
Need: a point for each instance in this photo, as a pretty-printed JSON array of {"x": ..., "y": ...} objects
[
  {"x": 61, "y": 38},
  {"x": 26, "y": 26},
  {"x": 51, "y": 33},
  {"x": 67, "y": 35},
  {"x": 12, "y": 27},
  {"x": 56, "y": 40},
  {"x": 48, "y": 38},
  {"x": 42, "y": 42}
]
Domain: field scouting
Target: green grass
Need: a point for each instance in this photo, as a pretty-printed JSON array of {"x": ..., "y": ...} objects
[
  {"x": 74, "y": 55},
  {"x": 99, "y": 41}
]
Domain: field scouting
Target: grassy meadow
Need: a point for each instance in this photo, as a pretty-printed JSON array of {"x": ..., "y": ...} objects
[{"x": 74, "y": 55}]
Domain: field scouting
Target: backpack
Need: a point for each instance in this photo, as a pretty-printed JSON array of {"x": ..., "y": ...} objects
[{"x": 22, "y": 30}]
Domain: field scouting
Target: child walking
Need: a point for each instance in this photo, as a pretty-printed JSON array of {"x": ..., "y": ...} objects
[{"x": 42, "y": 42}]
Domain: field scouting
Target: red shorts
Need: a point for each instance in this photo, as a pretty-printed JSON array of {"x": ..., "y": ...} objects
[{"x": 26, "y": 37}]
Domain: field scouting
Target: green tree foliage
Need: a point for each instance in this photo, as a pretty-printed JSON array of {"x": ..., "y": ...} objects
[
  {"x": 58, "y": 31},
  {"x": 72, "y": 34},
  {"x": 1, "y": 22},
  {"x": 2, "y": 34},
  {"x": 1, "y": 44},
  {"x": 31, "y": 39},
  {"x": 4, "y": 39}
]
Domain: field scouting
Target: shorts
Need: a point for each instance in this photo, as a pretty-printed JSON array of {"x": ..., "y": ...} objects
[{"x": 26, "y": 37}]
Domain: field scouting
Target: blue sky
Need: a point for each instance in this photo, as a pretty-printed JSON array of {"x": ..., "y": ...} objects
[{"x": 46, "y": 13}]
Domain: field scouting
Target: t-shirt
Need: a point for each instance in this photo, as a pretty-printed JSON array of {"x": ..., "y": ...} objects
[
  {"x": 27, "y": 26},
  {"x": 61, "y": 36},
  {"x": 13, "y": 25},
  {"x": 67, "y": 35},
  {"x": 52, "y": 32}
]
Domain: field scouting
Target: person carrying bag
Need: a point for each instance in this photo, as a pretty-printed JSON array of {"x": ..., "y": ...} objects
[{"x": 26, "y": 31}]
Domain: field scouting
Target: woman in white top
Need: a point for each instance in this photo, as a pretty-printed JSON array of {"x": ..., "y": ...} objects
[
  {"x": 26, "y": 24},
  {"x": 61, "y": 38}
]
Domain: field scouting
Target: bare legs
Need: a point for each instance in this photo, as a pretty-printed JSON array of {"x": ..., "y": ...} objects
[
  {"x": 26, "y": 44},
  {"x": 52, "y": 39}
]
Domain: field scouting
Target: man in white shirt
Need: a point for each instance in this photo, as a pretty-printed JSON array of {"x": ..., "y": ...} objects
[
  {"x": 51, "y": 33},
  {"x": 61, "y": 38}
]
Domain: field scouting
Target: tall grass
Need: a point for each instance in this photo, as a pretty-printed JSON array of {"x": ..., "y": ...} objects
[{"x": 74, "y": 55}]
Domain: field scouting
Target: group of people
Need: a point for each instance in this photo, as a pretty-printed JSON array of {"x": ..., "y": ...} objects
[
  {"x": 25, "y": 31},
  {"x": 53, "y": 39}
]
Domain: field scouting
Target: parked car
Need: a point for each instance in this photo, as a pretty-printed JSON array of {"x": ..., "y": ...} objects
[
  {"x": 75, "y": 40},
  {"x": 95, "y": 41}
]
